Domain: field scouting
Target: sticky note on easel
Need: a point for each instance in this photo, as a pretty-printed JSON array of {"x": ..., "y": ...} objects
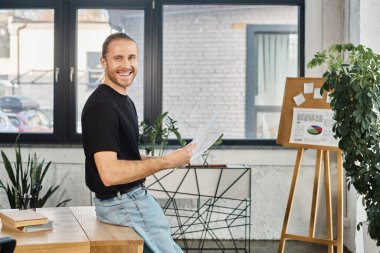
[
  {"x": 328, "y": 98},
  {"x": 308, "y": 88},
  {"x": 317, "y": 93},
  {"x": 299, "y": 99}
]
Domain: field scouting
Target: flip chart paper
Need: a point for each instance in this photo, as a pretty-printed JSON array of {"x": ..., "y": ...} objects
[{"x": 313, "y": 126}]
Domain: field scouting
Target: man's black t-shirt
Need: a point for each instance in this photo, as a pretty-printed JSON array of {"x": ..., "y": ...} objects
[{"x": 109, "y": 123}]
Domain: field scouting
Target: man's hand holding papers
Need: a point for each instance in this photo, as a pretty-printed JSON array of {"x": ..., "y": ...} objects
[{"x": 205, "y": 137}]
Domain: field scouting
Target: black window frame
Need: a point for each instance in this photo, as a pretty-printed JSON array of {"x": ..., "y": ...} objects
[
  {"x": 65, "y": 57},
  {"x": 59, "y": 98}
]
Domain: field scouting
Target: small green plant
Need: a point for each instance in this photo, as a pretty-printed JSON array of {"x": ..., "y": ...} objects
[
  {"x": 353, "y": 82},
  {"x": 156, "y": 136},
  {"x": 22, "y": 179}
]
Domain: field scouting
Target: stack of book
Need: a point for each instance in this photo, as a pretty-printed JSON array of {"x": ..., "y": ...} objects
[{"x": 25, "y": 220}]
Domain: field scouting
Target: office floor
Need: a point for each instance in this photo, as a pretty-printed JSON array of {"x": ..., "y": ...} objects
[{"x": 264, "y": 247}]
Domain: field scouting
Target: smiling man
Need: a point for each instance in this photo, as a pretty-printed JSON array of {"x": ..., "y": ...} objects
[{"x": 115, "y": 170}]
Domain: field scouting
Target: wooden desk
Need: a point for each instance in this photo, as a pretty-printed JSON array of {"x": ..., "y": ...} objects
[
  {"x": 66, "y": 235},
  {"x": 105, "y": 238},
  {"x": 76, "y": 230}
]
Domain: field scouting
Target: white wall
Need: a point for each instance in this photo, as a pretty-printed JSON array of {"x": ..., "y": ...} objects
[
  {"x": 364, "y": 29},
  {"x": 370, "y": 24}
]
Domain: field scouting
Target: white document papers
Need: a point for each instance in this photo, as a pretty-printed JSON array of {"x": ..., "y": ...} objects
[
  {"x": 313, "y": 126},
  {"x": 204, "y": 138}
]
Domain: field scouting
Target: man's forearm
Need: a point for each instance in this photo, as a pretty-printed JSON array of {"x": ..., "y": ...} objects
[{"x": 114, "y": 172}]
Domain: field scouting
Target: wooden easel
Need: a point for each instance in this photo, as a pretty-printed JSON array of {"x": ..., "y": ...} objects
[{"x": 293, "y": 87}]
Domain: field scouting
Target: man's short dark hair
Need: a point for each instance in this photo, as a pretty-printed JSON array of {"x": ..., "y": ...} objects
[{"x": 112, "y": 37}]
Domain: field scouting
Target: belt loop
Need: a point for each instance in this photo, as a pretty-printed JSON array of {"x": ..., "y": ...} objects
[{"x": 118, "y": 195}]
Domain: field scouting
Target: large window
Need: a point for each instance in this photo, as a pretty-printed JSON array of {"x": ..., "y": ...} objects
[
  {"x": 196, "y": 59},
  {"x": 26, "y": 70},
  {"x": 206, "y": 65}
]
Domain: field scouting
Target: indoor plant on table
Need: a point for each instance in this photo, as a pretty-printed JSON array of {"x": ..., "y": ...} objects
[{"x": 353, "y": 83}]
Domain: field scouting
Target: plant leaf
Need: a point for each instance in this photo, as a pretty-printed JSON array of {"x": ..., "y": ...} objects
[{"x": 8, "y": 168}]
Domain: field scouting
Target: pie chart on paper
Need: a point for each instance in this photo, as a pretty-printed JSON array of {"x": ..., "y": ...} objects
[{"x": 314, "y": 130}]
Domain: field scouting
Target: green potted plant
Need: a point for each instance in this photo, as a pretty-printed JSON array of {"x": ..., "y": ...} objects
[
  {"x": 156, "y": 136},
  {"x": 24, "y": 179},
  {"x": 352, "y": 80}
]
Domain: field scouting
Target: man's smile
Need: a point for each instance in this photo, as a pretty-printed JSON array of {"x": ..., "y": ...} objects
[{"x": 125, "y": 73}]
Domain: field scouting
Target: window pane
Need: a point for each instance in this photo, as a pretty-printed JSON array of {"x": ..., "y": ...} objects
[
  {"x": 267, "y": 124},
  {"x": 205, "y": 64},
  {"x": 26, "y": 70},
  {"x": 275, "y": 57},
  {"x": 94, "y": 25}
]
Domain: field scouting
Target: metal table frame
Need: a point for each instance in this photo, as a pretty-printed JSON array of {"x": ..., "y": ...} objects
[{"x": 212, "y": 212}]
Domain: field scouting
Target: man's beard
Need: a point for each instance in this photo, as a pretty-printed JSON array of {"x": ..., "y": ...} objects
[{"x": 113, "y": 77}]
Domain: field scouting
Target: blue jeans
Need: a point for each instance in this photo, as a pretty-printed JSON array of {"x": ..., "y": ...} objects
[{"x": 139, "y": 210}]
